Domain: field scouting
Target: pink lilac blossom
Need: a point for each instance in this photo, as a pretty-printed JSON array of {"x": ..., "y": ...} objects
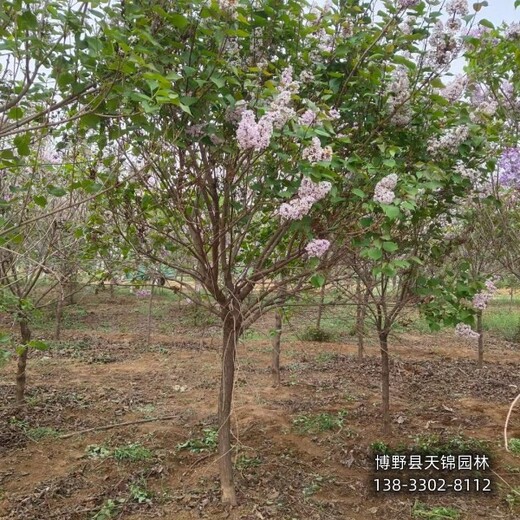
[
  {"x": 317, "y": 247},
  {"x": 509, "y": 167},
  {"x": 448, "y": 142},
  {"x": 334, "y": 114},
  {"x": 406, "y": 27},
  {"x": 306, "y": 76},
  {"x": 383, "y": 192},
  {"x": 280, "y": 112},
  {"x": 454, "y": 90},
  {"x": 228, "y": 5},
  {"x": 405, "y": 4},
  {"x": 399, "y": 90},
  {"x": 308, "y": 117},
  {"x": 443, "y": 46},
  {"x": 466, "y": 331},
  {"x": 309, "y": 192},
  {"x": 457, "y": 7},
  {"x": 481, "y": 299},
  {"x": 513, "y": 31},
  {"x": 484, "y": 110},
  {"x": 315, "y": 153},
  {"x": 251, "y": 134}
]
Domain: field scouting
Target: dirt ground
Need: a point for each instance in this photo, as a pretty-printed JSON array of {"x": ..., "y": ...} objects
[{"x": 102, "y": 372}]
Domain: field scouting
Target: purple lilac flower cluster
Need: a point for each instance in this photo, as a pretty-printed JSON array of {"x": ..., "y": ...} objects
[
  {"x": 481, "y": 299},
  {"x": 142, "y": 293},
  {"x": 398, "y": 105},
  {"x": 405, "y": 4},
  {"x": 308, "y": 193},
  {"x": 383, "y": 192},
  {"x": 509, "y": 167},
  {"x": 315, "y": 153},
  {"x": 466, "y": 331},
  {"x": 317, "y": 247}
]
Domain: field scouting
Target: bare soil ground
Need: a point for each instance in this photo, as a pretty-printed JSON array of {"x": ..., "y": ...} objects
[{"x": 103, "y": 372}]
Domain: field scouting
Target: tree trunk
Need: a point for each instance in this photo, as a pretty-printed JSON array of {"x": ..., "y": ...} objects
[
  {"x": 275, "y": 367},
  {"x": 59, "y": 314},
  {"x": 320, "y": 307},
  {"x": 360, "y": 320},
  {"x": 231, "y": 333},
  {"x": 480, "y": 362},
  {"x": 385, "y": 381},
  {"x": 149, "y": 320},
  {"x": 22, "y": 361}
]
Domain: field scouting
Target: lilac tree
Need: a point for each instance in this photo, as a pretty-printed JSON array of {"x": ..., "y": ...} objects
[{"x": 268, "y": 138}]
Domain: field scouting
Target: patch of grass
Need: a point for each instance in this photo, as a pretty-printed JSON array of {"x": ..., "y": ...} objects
[
  {"x": 514, "y": 445},
  {"x": 312, "y": 424},
  {"x": 381, "y": 447},
  {"x": 132, "y": 453},
  {"x": 502, "y": 322},
  {"x": 313, "y": 487},
  {"x": 316, "y": 334},
  {"x": 513, "y": 498},
  {"x": 108, "y": 510},
  {"x": 244, "y": 462},
  {"x": 325, "y": 357},
  {"x": 139, "y": 493},
  {"x": 94, "y": 451},
  {"x": 457, "y": 444},
  {"x": 208, "y": 442},
  {"x": 421, "y": 510},
  {"x": 41, "y": 432},
  {"x": 35, "y": 434}
]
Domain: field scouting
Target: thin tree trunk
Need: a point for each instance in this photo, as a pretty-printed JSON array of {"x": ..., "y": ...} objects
[
  {"x": 385, "y": 381},
  {"x": 149, "y": 321},
  {"x": 320, "y": 307},
  {"x": 275, "y": 367},
  {"x": 480, "y": 362},
  {"x": 59, "y": 314},
  {"x": 360, "y": 320},
  {"x": 22, "y": 361},
  {"x": 231, "y": 333}
]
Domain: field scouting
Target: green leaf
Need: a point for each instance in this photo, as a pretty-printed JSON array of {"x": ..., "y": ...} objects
[
  {"x": 22, "y": 143},
  {"x": 38, "y": 344},
  {"x": 486, "y": 23},
  {"x": 40, "y": 200},
  {"x": 56, "y": 190},
  {"x": 437, "y": 83},
  {"x": 392, "y": 212},
  {"x": 374, "y": 253},
  {"x": 185, "y": 108},
  {"x": 179, "y": 21},
  {"x": 360, "y": 193},
  {"x": 317, "y": 280},
  {"x": 390, "y": 246},
  {"x": 15, "y": 113},
  {"x": 27, "y": 20}
]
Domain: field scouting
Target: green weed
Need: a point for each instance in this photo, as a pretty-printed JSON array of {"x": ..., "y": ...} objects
[
  {"x": 421, "y": 510},
  {"x": 312, "y": 424},
  {"x": 208, "y": 442},
  {"x": 132, "y": 453},
  {"x": 514, "y": 445},
  {"x": 316, "y": 334}
]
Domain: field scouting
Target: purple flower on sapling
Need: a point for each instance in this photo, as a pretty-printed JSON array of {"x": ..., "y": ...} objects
[{"x": 317, "y": 247}]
